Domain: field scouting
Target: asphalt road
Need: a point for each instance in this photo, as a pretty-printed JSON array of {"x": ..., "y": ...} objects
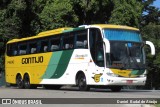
[{"x": 72, "y": 92}]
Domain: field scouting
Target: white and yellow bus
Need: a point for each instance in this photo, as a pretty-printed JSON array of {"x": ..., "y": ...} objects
[{"x": 99, "y": 55}]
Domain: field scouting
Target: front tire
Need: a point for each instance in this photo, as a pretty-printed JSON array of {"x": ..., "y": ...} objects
[{"x": 81, "y": 82}]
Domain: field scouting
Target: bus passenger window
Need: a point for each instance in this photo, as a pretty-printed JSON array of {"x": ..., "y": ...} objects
[
  {"x": 81, "y": 41},
  {"x": 68, "y": 41},
  {"x": 79, "y": 44},
  {"x": 71, "y": 46},
  {"x": 33, "y": 47},
  {"x": 33, "y": 50},
  {"x": 15, "y": 53},
  {"x": 85, "y": 44},
  {"x": 22, "y": 52},
  {"x": 44, "y": 46},
  {"x": 23, "y": 49},
  {"x": 55, "y": 44},
  {"x": 54, "y": 47},
  {"x": 12, "y": 49},
  {"x": 67, "y": 46}
]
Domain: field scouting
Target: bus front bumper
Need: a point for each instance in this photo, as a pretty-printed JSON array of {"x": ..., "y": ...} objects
[{"x": 125, "y": 81}]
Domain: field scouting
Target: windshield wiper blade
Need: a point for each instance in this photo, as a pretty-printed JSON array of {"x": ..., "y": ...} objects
[
  {"x": 135, "y": 62},
  {"x": 130, "y": 57}
]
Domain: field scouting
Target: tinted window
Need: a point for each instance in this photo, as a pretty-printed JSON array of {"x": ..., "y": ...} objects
[
  {"x": 81, "y": 39},
  {"x": 96, "y": 46},
  {"x": 22, "y": 48},
  {"x": 33, "y": 47},
  {"x": 44, "y": 46},
  {"x": 68, "y": 41},
  {"x": 55, "y": 44},
  {"x": 12, "y": 49}
]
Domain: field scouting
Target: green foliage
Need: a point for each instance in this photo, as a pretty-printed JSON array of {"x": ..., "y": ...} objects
[
  {"x": 126, "y": 12},
  {"x": 153, "y": 16},
  {"x": 151, "y": 32},
  {"x": 52, "y": 14},
  {"x": 10, "y": 22},
  {"x": 93, "y": 11},
  {"x": 22, "y": 18},
  {"x": 57, "y": 14}
]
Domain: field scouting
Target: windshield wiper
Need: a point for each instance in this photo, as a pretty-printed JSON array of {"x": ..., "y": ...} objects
[{"x": 132, "y": 58}]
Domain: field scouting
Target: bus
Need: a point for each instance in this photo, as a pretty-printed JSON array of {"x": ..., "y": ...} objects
[{"x": 99, "y": 55}]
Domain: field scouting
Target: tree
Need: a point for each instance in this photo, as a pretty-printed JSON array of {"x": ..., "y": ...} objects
[
  {"x": 93, "y": 11},
  {"x": 10, "y": 23},
  {"x": 150, "y": 31},
  {"x": 152, "y": 16},
  {"x": 54, "y": 14},
  {"x": 126, "y": 12}
]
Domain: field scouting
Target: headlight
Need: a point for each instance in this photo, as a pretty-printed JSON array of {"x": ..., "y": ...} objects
[
  {"x": 112, "y": 74},
  {"x": 144, "y": 75}
]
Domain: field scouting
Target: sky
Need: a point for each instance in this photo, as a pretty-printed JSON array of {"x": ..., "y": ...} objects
[{"x": 156, "y": 3}]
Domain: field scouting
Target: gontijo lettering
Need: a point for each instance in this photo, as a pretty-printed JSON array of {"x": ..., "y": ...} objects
[{"x": 31, "y": 60}]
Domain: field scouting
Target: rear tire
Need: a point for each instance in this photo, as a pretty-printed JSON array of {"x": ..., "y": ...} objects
[
  {"x": 81, "y": 82},
  {"x": 27, "y": 84},
  {"x": 116, "y": 88},
  {"x": 19, "y": 82}
]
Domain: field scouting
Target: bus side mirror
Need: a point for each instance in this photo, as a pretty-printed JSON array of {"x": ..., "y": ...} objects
[
  {"x": 107, "y": 45},
  {"x": 151, "y": 46}
]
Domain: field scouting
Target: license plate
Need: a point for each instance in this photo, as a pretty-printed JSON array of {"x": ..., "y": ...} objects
[{"x": 129, "y": 81}]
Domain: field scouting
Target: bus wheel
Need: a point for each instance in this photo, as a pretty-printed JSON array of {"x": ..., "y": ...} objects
[
  {"x": 81, "y": 81},
  {"x": 19, "y": 82},
  {"x": 27, "y": 84},
  {"x": 116, "y": 88}
]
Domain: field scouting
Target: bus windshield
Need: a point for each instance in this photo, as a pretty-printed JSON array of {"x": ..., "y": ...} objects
[{"x": 126, "y": 49}]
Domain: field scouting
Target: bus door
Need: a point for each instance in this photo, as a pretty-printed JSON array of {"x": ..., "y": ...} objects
[{"x": 96, "y": 49}]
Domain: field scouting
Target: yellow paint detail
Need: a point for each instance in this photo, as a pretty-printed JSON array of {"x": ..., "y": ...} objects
[
  {"x": 55, "y": 31},
  {"x": 109, "y": 26},
  {"x": 13, "y": 66},
  {"x": 124, "y": 73},
  {"x": 42, "y": 34},
  {"x": 97, "y": 77},
  {"x": 79, "y": 58}
]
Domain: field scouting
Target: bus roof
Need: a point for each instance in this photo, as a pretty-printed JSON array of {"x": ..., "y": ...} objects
[
  {"x": 115, "y": 27},
  {"x": 69, "y": 29},
  {"x": 42, "y": 34}
]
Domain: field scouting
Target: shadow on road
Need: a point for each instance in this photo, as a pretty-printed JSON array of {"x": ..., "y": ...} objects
[
  {"x": 69, "y": 88},
  {"x": 99, "y": 90}
]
